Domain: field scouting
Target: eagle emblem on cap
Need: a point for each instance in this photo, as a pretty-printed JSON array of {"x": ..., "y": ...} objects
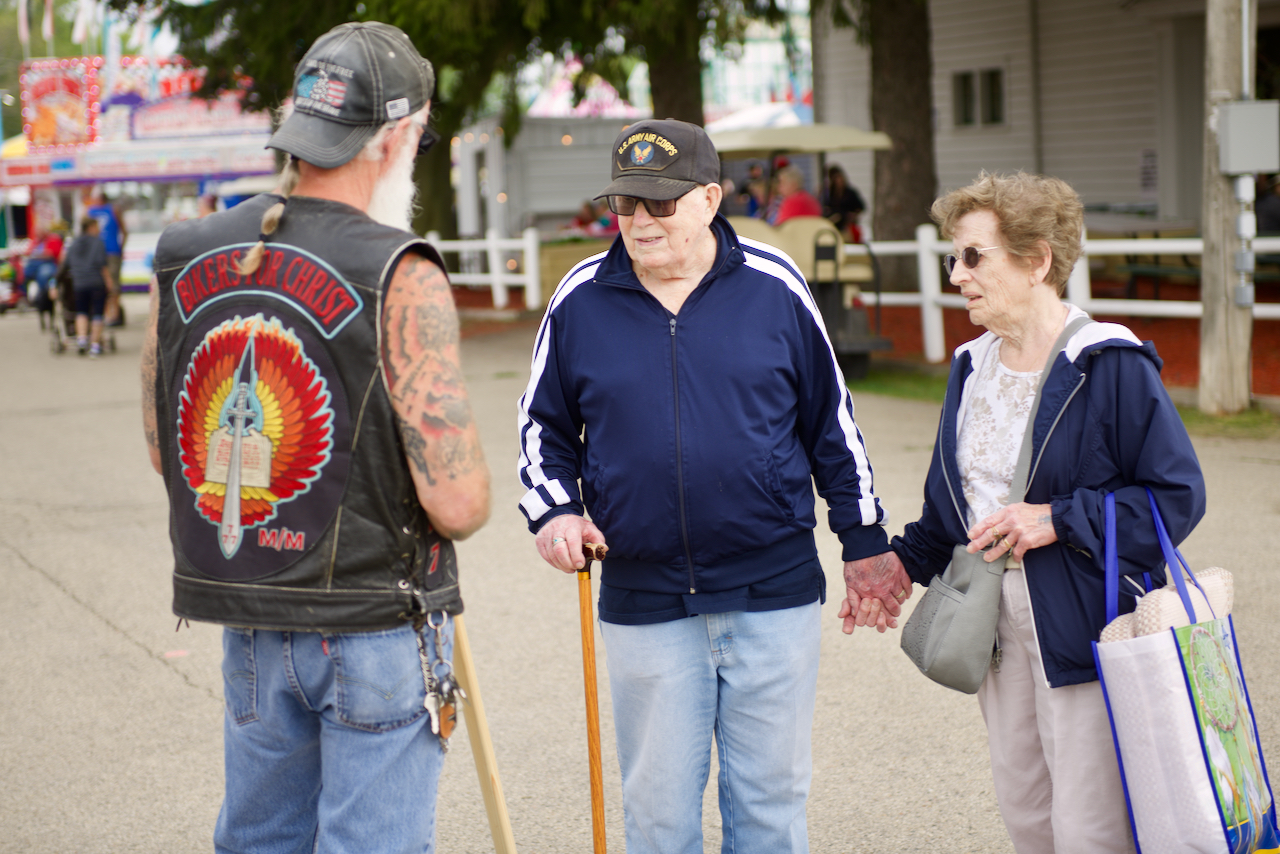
[{"x": 641, "y": 153}]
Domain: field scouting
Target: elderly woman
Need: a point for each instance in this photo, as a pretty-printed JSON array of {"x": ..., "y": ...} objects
[
  {"x": 684, "y": 393},
  {"x": 1105, "y": 424}
]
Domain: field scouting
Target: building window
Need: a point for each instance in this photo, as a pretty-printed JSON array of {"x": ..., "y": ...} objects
[
  {"x": 964, "y": 100},
  {"x": 992, "y": 96},
  {"x": 977, "y": 97}
]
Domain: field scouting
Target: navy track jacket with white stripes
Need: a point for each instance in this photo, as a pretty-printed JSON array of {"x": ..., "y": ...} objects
[{"x": 698, "y": 437}]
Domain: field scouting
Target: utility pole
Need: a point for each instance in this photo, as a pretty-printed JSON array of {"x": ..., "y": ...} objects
[{"x": 1226, "y": 326}]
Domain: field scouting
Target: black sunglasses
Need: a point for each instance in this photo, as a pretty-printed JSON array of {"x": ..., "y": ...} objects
[
  {"x": 626, "y": 206},
  {"x": 971, "y": 255},
  {"x": 429, "y": 138}
]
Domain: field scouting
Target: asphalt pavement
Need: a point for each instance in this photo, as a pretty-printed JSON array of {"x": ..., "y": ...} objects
[{"x": 111, "y": 721}]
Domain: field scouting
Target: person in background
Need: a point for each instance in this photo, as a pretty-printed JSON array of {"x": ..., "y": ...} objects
[
  {"x": 753, "y": 197},
  {"x": 587, "y": 215},
  {"x": 91, "y": 278},
  {"x": 40, "y": 269},
  {"x": 842, "y": 204},
  {"x": 1105, "y": 424},
  {"x": 1267, "y": 210},
  {"x": 795, "y": 199},
  {"x": 114, "y": 235}
]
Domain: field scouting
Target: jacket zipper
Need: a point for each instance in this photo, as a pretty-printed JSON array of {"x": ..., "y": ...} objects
[
  {"x": 684, "y": 518},
  {"x": 1031, "y": 608}
]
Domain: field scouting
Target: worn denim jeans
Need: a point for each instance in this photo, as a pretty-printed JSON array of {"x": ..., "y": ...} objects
[
  {"x": 748, "y": 679},
  {"x": 328, "y": 747}
]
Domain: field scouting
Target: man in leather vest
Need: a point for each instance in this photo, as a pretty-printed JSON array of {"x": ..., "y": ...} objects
[{"x": 304, "y": 400}]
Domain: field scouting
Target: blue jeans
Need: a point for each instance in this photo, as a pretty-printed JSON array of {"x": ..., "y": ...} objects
[
  {"x": 748, "y": 679},
  {"x": 328, "y": 746}
]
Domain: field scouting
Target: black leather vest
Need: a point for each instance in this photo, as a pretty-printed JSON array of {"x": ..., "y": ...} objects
[{"x": 291, "y": 504}]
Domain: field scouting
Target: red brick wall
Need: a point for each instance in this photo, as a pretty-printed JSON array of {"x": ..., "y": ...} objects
[{"x": 1177, "y": 341}]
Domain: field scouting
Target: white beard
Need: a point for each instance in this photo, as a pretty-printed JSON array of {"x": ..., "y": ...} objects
[{"x": 395, "y": 192}]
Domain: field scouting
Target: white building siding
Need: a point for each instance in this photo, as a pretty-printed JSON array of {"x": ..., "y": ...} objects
[
  {"x": 1098, "y": 92},
  {"x": 1099, "y": 97},
  {"x": 970, "y": 36}
]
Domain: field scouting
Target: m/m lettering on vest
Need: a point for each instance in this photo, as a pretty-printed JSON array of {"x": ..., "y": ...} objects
[
  {"x": 303, "y": 281},
  {"x": 282, "y": 538}
]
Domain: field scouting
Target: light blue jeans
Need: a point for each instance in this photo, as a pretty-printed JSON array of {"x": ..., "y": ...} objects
[
  {"x": 749, "y": 680},
  {"x": 328, "y": 747}
]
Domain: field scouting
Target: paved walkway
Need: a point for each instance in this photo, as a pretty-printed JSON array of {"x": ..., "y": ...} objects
[{"x": 111, "y": 733}]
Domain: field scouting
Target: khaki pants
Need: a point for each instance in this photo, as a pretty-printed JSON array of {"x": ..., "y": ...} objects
[
  {"x": 1056, "y": 776},
  {"x": 113, "y": 289}
]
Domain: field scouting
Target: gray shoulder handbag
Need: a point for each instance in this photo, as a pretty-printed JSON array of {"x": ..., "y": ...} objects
[{"x": 951, "y": 634}]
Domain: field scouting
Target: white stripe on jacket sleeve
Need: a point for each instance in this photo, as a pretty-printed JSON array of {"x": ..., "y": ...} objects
[
  {"x": 869, "y": 508},
  {"x": 544, "y": 493}
]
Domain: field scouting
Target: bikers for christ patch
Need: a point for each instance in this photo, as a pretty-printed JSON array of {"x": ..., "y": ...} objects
[{"x": 259, "y": 428}]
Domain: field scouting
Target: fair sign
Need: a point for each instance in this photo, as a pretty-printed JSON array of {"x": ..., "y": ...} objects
[{"x": 60, "y": 103}]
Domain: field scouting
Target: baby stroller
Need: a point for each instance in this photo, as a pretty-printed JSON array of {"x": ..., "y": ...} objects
[{"x": 39, "y": 274}]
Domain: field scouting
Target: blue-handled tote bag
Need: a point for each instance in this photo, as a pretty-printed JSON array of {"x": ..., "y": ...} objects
[{"x": 1181, "y": 718}]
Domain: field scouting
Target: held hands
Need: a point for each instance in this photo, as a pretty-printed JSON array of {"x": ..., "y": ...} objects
[
  {"x": 876, "y": 587},
  {"x": 1013, "y": 530},
  {"x": 560, "y": 541}
]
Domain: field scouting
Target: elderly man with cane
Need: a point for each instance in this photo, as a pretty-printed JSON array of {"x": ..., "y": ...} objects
[
  {"x": 684, "y": 393},
  {"x": 305, "y": 404}
]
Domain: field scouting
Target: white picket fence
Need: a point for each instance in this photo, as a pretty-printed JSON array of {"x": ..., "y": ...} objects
[
  {"x": 493, "y": 250},
  {"x": 929, "y": 249}
]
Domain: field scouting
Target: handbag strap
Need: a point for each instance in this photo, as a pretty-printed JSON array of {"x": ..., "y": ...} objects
[
  {"x": 1173, "y": 559},
  {"x": 1018, "y": 486}
]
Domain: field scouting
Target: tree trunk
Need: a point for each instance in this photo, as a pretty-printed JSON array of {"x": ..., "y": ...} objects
[
  {"x": 435, "y": 194},
  {"x": 675, "y": 68},
  {"x": 1226, "y": 328},
  {"x": 901, "y": 106}
]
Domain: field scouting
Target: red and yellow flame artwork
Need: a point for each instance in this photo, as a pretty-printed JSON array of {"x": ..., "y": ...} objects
[{"x": 296, "y": 415}]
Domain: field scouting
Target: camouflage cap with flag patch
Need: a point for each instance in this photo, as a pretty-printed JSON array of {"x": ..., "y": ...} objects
[
  {"x": 662, "y": 159},
  {"x": 353, "y": 80}
]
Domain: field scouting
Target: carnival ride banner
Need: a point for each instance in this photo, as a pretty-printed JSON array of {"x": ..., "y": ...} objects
[
  {"x": 60, "y": 103},
  {"x": 151, "y": 99}
]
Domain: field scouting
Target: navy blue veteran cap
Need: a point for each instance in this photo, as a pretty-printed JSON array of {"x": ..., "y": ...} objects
[
  {"x": 662, "y": 159},
  {"x": 353, "y": 80}
]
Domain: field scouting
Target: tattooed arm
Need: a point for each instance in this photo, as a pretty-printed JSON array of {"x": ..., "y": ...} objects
[
  {"x": 433, "y": 414},
  {"x": 149, "y": 423}
]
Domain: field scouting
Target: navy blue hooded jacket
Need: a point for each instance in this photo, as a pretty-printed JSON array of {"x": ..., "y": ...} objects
[
  {"x": 1105, "y": 424},
  {"x": 697, "y": 437}
]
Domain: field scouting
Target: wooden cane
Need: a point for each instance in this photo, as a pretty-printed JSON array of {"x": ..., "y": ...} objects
[
  {"x": 592, "y": 551},
  {"x": 495, "y": 806}
]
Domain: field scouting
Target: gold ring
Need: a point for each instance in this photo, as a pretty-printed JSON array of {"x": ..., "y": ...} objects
[{"x": 900, "y": 595}]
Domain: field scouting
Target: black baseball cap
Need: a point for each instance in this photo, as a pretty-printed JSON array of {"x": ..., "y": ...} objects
[
  {"x": 662, "y": 159},
  {"x": 353, "y": 80}
]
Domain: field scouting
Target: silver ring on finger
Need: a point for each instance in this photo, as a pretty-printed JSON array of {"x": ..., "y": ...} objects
[{"x": 555, "y": 541}]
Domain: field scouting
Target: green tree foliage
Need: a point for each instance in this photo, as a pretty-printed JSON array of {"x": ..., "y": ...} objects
[
  {"x": 671, "y": 35},
  {"x": 471, "y": 44},
  {"x": 11, "y": 52}
]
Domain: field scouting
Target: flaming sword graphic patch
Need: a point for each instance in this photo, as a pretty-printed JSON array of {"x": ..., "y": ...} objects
[{"x": 255, "y": 425}]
